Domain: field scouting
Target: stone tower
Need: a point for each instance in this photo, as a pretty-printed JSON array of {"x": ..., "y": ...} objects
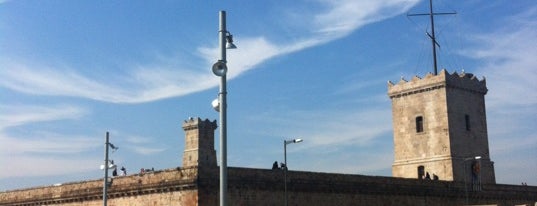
[
  {"x": 440, "y": 127},
  {"x": 199, "y": 143}
]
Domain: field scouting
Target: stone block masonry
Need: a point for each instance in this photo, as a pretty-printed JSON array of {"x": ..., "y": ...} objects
[
  {"x": 185, "y": 186},
  {"x": 440, "y": 126},
  {"x": 167, "y": 187}
]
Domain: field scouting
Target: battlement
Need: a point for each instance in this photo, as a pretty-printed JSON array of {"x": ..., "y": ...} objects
[
  {"x": 123, "y": 189},
  {"x": 199, "y": 142},
  {"x": 198, "y": 123},
  {"x": 464, "y": 81}
]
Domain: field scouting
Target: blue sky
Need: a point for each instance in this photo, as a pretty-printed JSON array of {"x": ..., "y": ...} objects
[{"x": 315, "y": 69}]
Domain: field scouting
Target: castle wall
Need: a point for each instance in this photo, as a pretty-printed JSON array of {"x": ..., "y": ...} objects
[
  {"x": 265, "y": 187},
  {"x": 159, "y": 188}
]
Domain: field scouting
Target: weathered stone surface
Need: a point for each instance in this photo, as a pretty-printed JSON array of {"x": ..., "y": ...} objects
[
  {"x": 182, "y": 186},
  {"x": 199, "y": 143},
  {"x": 452, "y": 108},
  {"x": 152, "y": 188}
]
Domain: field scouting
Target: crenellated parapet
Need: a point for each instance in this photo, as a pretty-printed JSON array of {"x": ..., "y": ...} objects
[
  {"x": 198, "y": 123},
  {"x": 437, "y": 119},
  {"x": 464, "y": 81}
]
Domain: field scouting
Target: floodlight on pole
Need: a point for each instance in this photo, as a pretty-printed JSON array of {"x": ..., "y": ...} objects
[
  {"x": 109, "y": 165},
  {"x": 220, "y": 105},
  {"x": 216, "y": 105},
  {"x": 229, "y": 41},
  {"x": 285, "y": 143}
]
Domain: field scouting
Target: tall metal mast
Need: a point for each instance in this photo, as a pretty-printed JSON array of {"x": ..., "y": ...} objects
[{"x": 432, "y": 36}]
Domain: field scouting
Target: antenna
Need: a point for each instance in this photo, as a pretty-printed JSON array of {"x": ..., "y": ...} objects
[{"x": 432, "y": 36}]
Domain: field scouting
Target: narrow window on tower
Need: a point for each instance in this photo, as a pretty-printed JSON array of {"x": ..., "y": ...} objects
[
  {"x": 419, "y": 124},
  {"x": 467, "y": 122},
  {"x": 421, "y": 172}
]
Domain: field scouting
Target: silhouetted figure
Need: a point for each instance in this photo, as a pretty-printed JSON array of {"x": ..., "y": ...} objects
[
  {"x": 427, "y": 176},
  {"x": 114, "y": 173},
  {"x": 435, "y": 177},
  {"x": 123, "y": 171},
  {"x": 275, "y": 165},
  {"x": 283, "y": 166}
]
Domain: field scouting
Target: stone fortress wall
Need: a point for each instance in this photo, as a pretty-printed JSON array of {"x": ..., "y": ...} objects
[
  {"x": 166, "y": 187},
  {"x": 265, "y": 187},
  {"x": 199, "y": 186}
]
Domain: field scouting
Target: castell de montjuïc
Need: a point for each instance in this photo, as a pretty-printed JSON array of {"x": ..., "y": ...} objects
[{"x": 441, "y": 157}]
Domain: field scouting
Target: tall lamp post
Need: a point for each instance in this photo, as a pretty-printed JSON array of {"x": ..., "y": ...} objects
[
  {"x": 466, "y": 175},
  {"x": 285, "y": 143},
  {"x": 220, "y": 69},
  {"x": 108, "y": 164}
]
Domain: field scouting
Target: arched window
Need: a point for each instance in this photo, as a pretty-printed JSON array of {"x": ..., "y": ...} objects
[{"x": 419, "y": 124}]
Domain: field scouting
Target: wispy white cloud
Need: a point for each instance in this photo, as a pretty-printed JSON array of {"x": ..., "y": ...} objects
[
  {"x": 32, "y": 166},
  {"x": 509, "y": 65},
  {"x": 142, "y": 84},
  {"x": 145, "y": 83},
  {"x": 510, "y": 60},
  {"x": 139, "y": 144},
  {"x": 45, "y": 154},
  {"x": 344, "y": 16},
  {"x": 144, "y": 150},
  {"x": 11, "y": 116},
  {"x": 41, "y": 153},
  {"x": 46, "y": 143},
  {"x": 353, "y": 128},
  {"x": 357, "y": 127},
  {"x": 334, "y": 141}
]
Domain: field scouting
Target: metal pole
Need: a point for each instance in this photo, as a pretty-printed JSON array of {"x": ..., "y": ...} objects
[
  {"x": 105, "y": 186},
  {"x": 479, "y": 175},
  {"x": 285, "y": 170},
  {"x": 465, "y": 182},
  {"x": 223, "y": 115},
  {"x": 433, "y": 38}
]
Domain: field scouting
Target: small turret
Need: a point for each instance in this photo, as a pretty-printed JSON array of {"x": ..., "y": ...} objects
[{"x": 199, "y": 143}]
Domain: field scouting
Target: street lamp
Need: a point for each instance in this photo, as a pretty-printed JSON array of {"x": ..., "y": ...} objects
[
  {"x": 285, "y": 143},
  {"x": 220, "y": 69},
  {"x": 466, "y": 175},
  {"x": 108, "y": 164}
]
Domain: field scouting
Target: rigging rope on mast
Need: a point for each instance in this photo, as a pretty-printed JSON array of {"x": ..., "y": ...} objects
[{"x": 431, "y": 14}]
